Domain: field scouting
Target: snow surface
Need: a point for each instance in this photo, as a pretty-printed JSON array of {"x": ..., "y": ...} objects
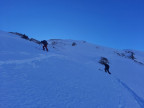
[{"x": 67, "y": 76}]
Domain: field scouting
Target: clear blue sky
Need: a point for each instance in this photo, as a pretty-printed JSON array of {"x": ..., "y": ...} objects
[{"x": 113, "y": 23}]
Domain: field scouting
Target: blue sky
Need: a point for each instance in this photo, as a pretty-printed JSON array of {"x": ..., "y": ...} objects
[{"x": 113, "y": 23}]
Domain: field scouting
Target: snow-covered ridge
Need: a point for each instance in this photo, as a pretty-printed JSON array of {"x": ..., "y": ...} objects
[{"x": 68, "y": 76}]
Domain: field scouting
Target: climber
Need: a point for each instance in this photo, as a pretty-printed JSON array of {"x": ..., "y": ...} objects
[{"x": 45, "y": 43}]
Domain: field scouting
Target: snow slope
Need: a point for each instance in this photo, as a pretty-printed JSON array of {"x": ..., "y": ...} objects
[{"x": 67, "y": 76}]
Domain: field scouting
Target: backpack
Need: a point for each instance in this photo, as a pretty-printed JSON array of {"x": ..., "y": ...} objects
[{"x": 44, "y": 42}]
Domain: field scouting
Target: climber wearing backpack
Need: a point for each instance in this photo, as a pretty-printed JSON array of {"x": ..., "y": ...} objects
[
  {"x": 106, "y": 68},
  {"x": 45, "y": 43}
]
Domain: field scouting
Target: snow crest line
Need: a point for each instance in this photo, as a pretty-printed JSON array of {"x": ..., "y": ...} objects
[
  {"x": 139, "y": 100},
  {"x": 41, "y": 57}
]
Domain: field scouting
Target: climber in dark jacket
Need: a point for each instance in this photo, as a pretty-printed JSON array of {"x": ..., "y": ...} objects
[
  {"x": 107, "y": 68},
  {"x": 45, "y": 43}
]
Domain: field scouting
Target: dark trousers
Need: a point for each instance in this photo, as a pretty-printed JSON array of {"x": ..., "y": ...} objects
[
  {"x": 45, "y": 47},
  {"x": 107, "y": 70}
]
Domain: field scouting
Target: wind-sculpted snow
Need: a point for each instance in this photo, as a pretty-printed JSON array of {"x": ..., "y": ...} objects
[
  {"x": 67, "y": 76},
  {"x": 39, "y": 58}
]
